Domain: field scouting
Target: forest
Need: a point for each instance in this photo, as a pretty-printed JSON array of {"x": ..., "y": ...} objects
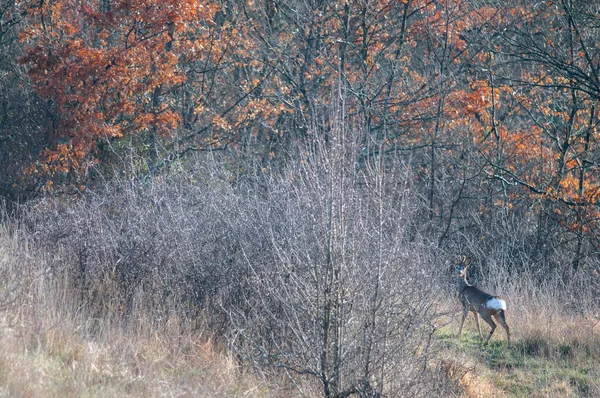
[{"x": 277, "y": 190}]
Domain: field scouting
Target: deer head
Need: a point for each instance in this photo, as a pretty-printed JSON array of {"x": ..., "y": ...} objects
[{"x": 461, "y": 265}]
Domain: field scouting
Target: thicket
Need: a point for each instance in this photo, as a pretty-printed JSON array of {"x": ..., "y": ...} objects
[
  {"x": 297, "y": 176},
  {"x": 320, "y": 273}
]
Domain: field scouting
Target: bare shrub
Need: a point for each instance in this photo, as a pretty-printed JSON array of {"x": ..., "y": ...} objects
[
  {"x": 160, "y": 247},
  {"x": 345, "y": 290}
]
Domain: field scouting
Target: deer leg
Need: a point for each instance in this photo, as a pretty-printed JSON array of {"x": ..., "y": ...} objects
[
  {"x": 462, "y": 322},
  {"x": 478, "y": 325},
  {"x": 487, "y": 316},
  {"x": 501, "y": 317}
]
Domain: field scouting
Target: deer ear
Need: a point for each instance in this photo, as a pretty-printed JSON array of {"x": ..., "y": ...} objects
[{"x": 467, "y": 261}]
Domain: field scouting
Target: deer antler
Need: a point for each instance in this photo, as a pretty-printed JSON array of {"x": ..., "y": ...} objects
[{"x": 464, "y": 260}]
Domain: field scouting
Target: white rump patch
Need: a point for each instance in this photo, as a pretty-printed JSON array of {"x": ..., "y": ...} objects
[{"x": 496, "y": 304}]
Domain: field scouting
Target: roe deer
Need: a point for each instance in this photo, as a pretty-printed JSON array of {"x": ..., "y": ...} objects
[{"x": 479, "y": 302}]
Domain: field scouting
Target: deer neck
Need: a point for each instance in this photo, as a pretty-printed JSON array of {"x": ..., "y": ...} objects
[{"x": 462, "y": 284}]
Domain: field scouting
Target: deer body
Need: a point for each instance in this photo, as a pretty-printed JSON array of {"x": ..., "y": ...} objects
[{"x": 479, "y": 303}]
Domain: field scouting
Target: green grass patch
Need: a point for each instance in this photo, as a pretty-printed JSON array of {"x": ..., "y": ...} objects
[{"x": 533, "y": 366}]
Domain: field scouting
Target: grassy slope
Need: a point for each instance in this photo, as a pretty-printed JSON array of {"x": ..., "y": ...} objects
[{"x": 560, "y": 358}]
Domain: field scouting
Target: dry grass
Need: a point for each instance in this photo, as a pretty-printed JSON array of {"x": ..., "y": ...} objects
[
  {"x": 465, "y": 373},
  {"x": 64, "y": 360},
  {"x": 52, "y": 348}
]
